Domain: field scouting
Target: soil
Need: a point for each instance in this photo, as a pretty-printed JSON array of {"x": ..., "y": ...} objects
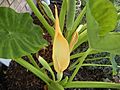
[{"x": 15, "y": 77}]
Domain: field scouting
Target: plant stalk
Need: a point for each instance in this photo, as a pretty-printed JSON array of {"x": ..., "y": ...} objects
[
  {"x": 41, "y": 18},
  {"x": 91, "y": 84},
  {"x": 81, "y": 60},
  {"x": 34, "y": 70},
  {"x": 33, "y": 61}
]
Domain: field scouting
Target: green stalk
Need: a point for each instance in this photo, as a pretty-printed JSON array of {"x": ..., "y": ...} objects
[
  {"x": 62, "y": 14},
  {"x": 91, "y": 84},
  {"x": 33, "y": 61},
  {"x": 95, "y": 65},
  {"x": 77, "y": 55},
  {"x": 41, "y": 18},
  {"x": 99, "y": 65},
  {"x": 73, "y": 65},
  {"x": 81, "y": 60},
  {"x": 34, "y": 70},
  {"x": 114, "y": 64},
  {"x": 97, "y": 58},
  {"x": 79, "y": 19},
  {"x": 76, "y": 23},
  {"x": 71, "y": 8}
]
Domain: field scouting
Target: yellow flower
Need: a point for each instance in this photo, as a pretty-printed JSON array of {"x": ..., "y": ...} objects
[{"x": 61, "y": 52}]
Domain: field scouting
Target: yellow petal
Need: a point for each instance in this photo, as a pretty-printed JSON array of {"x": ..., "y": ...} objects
[
  {"x": 61, "y": 54},
  {"x": 74, "y": 40}
]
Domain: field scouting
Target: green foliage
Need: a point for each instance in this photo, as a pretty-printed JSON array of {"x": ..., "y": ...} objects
[
  {"x": 70, "y": 14},
  {"x": 46, "y": 66},
  {"x": 62, "y": 14},
  {"x": 105, "y": 15},
  {"x": 48, "y": 11},
  {"x": 109, "y": 41},
  {"x": 76, "y": 24},
  {"x": 18, "y": 35}
]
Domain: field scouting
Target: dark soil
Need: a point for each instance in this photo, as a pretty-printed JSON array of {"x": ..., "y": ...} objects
[{"x": 15, "y": 77}]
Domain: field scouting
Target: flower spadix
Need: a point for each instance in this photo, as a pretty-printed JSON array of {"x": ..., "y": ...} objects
[{"x": 61, "y": 53}]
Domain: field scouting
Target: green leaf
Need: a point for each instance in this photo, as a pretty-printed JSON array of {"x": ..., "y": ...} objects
[
  {"x": 71, "y": 7},
  {"x": 63, "y": 13},
  {"x": 112, "y": 1},
  {"x": 110, "y": 42},
  {"x": 18, "y": 35},
  {"x": 46, "y": 66},
  {"x": 48, "y": 11},
  {"x": 105, "y": 15},
  {"x": 77, "y": 23}
]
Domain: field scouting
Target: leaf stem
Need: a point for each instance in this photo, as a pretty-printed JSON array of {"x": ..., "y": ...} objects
[
  {"x": 91, "y": 84},
  {"x": 81, "y": 60},
  {"x": 41, "y": 18},
  {"x": 33, "y": 61},
  {"x": 34, "y": 70},
  {"x": 76, "y": 23}
]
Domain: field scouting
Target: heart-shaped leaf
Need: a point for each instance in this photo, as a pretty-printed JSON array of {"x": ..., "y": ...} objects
[
  {"x": 105, "y": 14},
  {"x": 110, "y": 41},
  {"x": 18, "y": 35}
]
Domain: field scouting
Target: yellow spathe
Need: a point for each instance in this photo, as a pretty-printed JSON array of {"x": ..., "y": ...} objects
[{"x": 61, "y": 52}]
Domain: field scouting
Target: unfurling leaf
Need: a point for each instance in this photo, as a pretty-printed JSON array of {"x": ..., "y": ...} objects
[
  {"x": 46, "y": 66},
  {"x": 61, "y": 54}
]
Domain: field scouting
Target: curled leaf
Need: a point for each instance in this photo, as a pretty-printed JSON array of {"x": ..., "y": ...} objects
[
  {"x": 61, "y": 54},
  {"x": 74, "y": 40},
  {"x": 48, "y": 11},
  {"x": 75, "y": 37},
  {"x": 46, "y": 66}
]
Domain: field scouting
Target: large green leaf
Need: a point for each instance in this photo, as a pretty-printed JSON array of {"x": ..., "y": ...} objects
[
  {"x": 18, "y": 35},
  {"x": 105, "y": 14},
  {"x": 109, "y": 41}
]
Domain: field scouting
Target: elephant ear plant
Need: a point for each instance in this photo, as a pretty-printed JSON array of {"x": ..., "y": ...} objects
[{"x": 20, "y": 37}]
